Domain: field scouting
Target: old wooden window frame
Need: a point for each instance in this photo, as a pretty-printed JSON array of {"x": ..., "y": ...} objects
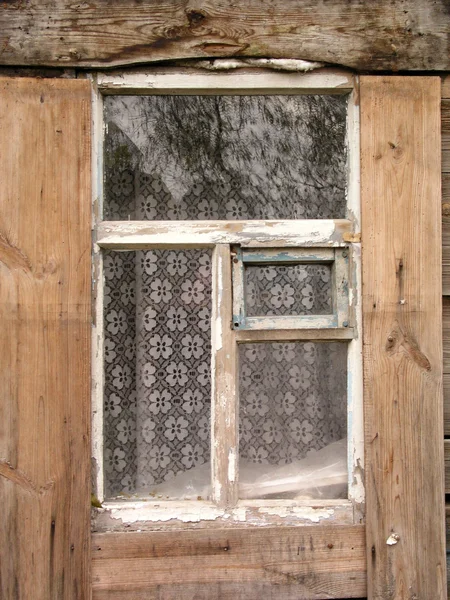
[
  {"x": 337, "y": 258},
  {"x": 337, "y": 234}
]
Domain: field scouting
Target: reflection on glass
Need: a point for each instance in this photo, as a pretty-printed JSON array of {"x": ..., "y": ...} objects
[{"x": 225, "y": 157}]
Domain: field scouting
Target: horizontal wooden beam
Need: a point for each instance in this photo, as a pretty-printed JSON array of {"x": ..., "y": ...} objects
[
  {"x": 399, "y": 35},
  {"x": 185, "y": 80},
  {"x": 283, "y": 562},
  {"x": 120, "y": 235},
  {"x": 289, "y": 335}
]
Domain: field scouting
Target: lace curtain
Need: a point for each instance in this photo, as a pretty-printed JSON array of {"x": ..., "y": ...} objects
[
  {"x": 158, "y": 385},
  {"x": 235, "y": 157}
]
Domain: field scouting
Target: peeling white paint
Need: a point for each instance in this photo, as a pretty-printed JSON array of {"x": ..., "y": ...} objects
[
  {"x": 231, "y": 465},
  {"x": 218, "y": 320},
  {"x": 278, "y": 64},
  {"x": 218, "y": 332},
  {"x": 138, "y": 234},
  {"x": 188, "y": 512},
  {"x": 356, "y": 492},
  {"x": 217, "y": 489},
  {"x": 350, "y": 297},
  {"x": 97, "y": 334},
  {"x": 315, "y": 515}
]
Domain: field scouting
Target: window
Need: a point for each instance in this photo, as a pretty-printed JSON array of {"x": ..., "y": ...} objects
[
  {"x": 227, "y": 321},
  {"x": 290, "y": 288}
]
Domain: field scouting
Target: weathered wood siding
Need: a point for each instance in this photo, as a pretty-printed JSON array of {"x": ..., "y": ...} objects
[
  {"x": 286, "y": 563},
  {"x": 386, "y": 35},
  {"x": 44, "y": 274},
  {"x": 44, "y": 339},
  {"x": 445, "y": 123},
  {"x": 401, "y": 258}
]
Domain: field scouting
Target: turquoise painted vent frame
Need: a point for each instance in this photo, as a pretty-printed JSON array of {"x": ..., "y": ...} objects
[{"x": 334, "y": 260}]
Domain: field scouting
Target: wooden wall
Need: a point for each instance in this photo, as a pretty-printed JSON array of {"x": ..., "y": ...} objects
[
  {"x": 45, "y": 281},
  {"x": 445, "y": 120},
  {"x": 445, "y": 113}
]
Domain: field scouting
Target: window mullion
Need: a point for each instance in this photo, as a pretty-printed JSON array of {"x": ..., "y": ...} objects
[{"x": 224, "y": 445}]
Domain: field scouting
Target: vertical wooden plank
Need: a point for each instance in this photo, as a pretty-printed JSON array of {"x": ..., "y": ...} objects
[
  {"x": 44, "y": 338},
  {"x": 446, "y": 353},
  {"x": 224, "y": 394},
  {"x": 402, "y": 318}
]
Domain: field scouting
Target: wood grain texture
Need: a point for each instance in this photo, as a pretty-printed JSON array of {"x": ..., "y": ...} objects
[
  {"x": 447, "y": 465},
  {"x": 446, "y": 332},
  {"x": 446, "y": 191},
  {"x": 445, "y": 134},
  {"x": 445, "y": 123},
  {"x": 252, "y": 234},
  {"x": 286, "y": 563},
  {"x": 398, "y": 35},
  {"x": 447, "y": 523},
  {"x": 446, "y": 348},
  {"x": 401, "y": 237},
  {"x": 446, "y": 354},
  {"x": 446, "y": 403},
  {"x": 224, "y": 413},
  {"x": 445, "y": 87},
  {"x": 44, "y": 339}
]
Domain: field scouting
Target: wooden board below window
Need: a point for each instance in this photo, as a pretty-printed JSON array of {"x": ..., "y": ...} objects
[{"x": 287, "y": 563}]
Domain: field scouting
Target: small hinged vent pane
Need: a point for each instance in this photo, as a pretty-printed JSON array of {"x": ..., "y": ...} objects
[{"x": 290, "y": 288}]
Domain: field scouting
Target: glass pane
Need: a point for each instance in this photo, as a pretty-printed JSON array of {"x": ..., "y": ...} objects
[
  {"x": 288, "y": 290},
  {"x": 225, "y": 157},
  {"x": 293, "y": 420},
  {"x": 157, "y": 371}
]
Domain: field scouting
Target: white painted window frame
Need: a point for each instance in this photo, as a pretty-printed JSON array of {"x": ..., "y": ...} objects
[{"x": 132, "y": 235}]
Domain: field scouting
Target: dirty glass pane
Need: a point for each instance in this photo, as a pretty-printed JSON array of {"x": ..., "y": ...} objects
[
  {"x": 157, "y": 370},
  {"x": 293, "y": 420},
  {"x": 288, "y": 290},
  {"x": 225, "y": 157}
]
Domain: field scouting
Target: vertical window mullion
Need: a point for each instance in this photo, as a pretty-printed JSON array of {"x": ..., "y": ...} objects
[
  {"x": 224, "y": 438},
  {"x": 340, "y": 284}
]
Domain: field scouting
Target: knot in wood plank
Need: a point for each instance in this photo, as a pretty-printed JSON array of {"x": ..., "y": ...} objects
[
  {"x": 195, "y": 17},
  {"x": 399, "y": 340}
]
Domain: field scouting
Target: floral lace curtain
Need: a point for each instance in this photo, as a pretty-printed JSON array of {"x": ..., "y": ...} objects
[
  {"x": 157, "y": 366},
  {"x": 158, "y": 382},
  {"x": 292, "y": 399},
  {"x": 234, "y": 157},
  {"x": 288, "y": 290}
]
